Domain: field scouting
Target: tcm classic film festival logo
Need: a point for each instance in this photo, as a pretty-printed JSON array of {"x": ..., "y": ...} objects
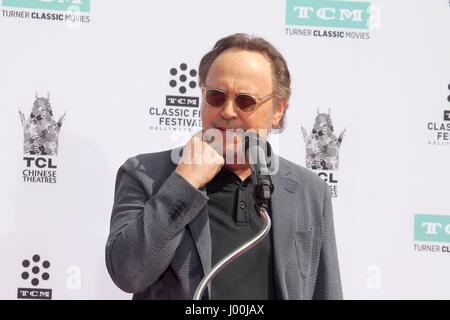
[
  {"x": 70, "y": 11},
  {"x": 322, "y": 150},
  {"x": 40, "y": 142},
  {"x": 331, "y": 19},
  {"x": 440, "y": 130},
  {"x": 35, "y": 274},
  {"x": 181, "y": 109},
  {"x": 432, "y": 233}
]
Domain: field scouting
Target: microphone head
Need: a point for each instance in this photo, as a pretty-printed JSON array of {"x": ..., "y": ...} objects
[
  {"x": 251, "y": 138},
  {"x": 255, "y": 151}
]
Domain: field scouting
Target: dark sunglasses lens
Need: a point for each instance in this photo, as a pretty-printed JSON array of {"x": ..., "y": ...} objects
[
  {"x": 245, "y": 102},
  {"x": 215, "y": 98}
]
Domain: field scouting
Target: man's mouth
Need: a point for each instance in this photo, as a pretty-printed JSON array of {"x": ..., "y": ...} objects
[{"x": 225, "y": 128}]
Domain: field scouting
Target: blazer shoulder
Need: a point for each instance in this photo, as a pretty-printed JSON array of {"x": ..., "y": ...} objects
[
  {"x": 302, "y": 175},
  {"x": 157, "y": 165}
]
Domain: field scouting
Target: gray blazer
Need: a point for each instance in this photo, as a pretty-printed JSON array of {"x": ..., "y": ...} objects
[{"x": 159, "y": 246}]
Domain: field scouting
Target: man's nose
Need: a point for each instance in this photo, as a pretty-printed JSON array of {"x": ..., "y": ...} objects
[{"x": 228, "y": 110}]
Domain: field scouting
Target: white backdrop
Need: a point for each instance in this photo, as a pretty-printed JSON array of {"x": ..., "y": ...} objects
[{"x": 387, "y": 85}]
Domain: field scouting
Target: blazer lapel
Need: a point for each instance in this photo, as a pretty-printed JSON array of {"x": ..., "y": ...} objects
[
  {"x": 199, "y": 228},
  {"x": 283, "y": 205}
]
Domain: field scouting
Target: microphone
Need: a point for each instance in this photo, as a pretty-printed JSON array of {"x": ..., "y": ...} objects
[{"x": 255, "y": 152}]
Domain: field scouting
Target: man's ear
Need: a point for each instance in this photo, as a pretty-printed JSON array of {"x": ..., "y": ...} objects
[{"x": 278, "y": 111}]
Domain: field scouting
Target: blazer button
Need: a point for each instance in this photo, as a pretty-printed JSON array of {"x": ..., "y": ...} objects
[{"x": 175, "y": 214}]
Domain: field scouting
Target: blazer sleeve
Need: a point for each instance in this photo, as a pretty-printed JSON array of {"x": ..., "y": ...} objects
[
  {"x": 147, "y": 226},
  {"x": 328, "y": 283}
]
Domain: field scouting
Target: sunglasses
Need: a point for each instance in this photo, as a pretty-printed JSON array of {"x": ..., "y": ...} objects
[{"x": 244, "y": 101}]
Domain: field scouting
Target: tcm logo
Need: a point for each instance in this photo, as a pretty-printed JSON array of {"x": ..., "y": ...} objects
[
  {"x": 429, "y": 227},
  {"x": 182, "y": 78},
  {"x": 41, "y": 294},
  {"x": 446, "y": 115},
  {"x": 35, "y": 271},
  {"x": 60, "y": 5},
  {"x": 327, "y": 13}
]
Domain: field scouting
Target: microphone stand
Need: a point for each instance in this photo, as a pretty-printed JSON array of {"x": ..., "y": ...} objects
[{"x": 262, "y": 193}]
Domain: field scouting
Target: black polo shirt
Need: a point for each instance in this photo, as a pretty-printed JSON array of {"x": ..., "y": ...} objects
[{"x": 233, "y": 221}]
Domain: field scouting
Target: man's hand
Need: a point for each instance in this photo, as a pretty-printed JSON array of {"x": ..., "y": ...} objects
[{"x": 200, "y": 162}]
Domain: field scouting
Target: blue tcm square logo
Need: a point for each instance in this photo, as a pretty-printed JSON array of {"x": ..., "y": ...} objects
[
  {"x": 430, "y": 227},
  {"x": 59, "y": 5},
  {"x": 328, "y": 13}
]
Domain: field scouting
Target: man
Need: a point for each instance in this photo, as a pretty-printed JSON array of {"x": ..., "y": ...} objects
[{"x": 171, "y": 222}]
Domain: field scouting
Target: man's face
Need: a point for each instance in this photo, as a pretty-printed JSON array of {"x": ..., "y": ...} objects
[{"x": 238, "y": 71}]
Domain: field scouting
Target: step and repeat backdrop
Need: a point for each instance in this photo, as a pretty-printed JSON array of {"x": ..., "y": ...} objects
[{"x": 84, "y": 85}]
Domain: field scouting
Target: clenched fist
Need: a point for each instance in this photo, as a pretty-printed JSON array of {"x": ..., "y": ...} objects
[{"x": 200, "y": 162}]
